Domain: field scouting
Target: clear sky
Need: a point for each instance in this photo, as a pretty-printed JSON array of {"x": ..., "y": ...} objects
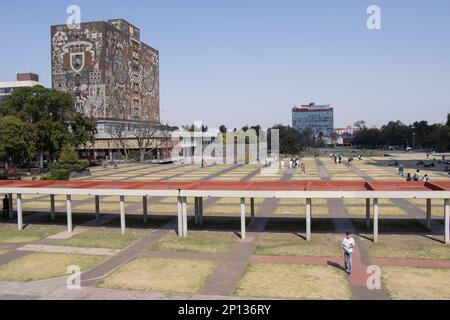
[{"x": 238, "y": 62}]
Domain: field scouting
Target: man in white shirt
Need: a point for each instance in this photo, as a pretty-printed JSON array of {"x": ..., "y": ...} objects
[{"x": 348, "y": 244}]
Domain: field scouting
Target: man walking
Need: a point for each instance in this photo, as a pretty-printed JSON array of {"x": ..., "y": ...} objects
[
  {"x": 348, "y": 244},
  {"x": 5, "y": 207},
  {"x": 401, "y": 171}
]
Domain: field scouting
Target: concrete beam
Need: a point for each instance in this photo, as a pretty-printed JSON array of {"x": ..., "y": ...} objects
[
  {"x": 447, "y": 220},
  {"x": 308, "y": 219},
  {"x": 52, "y": 207},
  {"x": 197, "y": 210},
  {"x": 375, "y": 220},
  {"x": 200, "y": 202},
  {"x": 367, "y": 213},
  {"x": 97, "y": 207},
  {"x": 123, "y": 226},
  {"x": 429, "y": 214},
  {"x": 69, "y": 213},
  {"x": 243, "y": 220},
  {"x": 19, "y": 212},
  {"x": 145, "y": 209}
]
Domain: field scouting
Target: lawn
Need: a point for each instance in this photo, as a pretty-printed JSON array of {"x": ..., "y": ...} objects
[
  {"x": 203, "y": 242},
  {"x": 164, "y": 275},
  {"x": 291, "y": 281},
  {"x": 9, "y": 234},
  {"x": 407, "y": 247},
  {"x": 40, "y": 266},
  {"x": 416, "y": 283},
  {"x": 101, "y": 238},
  {"x": 299, "y": 225},
  {"x": 292, "y": 245}
]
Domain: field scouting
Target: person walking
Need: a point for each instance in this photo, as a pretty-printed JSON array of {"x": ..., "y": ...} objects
[
  {"x": 5, "y": 207},
  {"x": 401, "y": 171},
  {"x": 348, "y": 244}
]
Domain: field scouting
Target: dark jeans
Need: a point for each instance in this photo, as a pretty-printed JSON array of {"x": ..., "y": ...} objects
[
  {"x": 5, "y": 214},
  {"x": 348, "y": 261}
]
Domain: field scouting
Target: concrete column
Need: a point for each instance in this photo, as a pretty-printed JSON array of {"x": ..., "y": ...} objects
[
  {"x": 197, "y": 210},
  {"x": 145, "y": 209},
  {"x": 185, "y": 220},
  {"x": 375, "y": 220},
  {"x": 19, "y": 212},
  {"x": 123, "y": 226},
  {"x": 52, "y": 207},
  {"x": 367, "y": 213},
  {"x": 69, "y": 213},
  {"x": 97, "y": 207},
  {"x": 243, "y": 220},
  {"x": 447, "y": 220},
  {"x": 11, "y": 206},
  {"x": 429, "y": 214},
  {"x": 180, "y": 216},
  {"x": 308, "y": 219},
  {"x": 252, "y": 211},
  {"x": 200, "y": 213}
]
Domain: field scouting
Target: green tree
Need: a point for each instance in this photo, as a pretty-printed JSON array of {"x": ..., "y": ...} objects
[
  {"x": 16, "y": 141},
  {"x": 84, "y": 130}
]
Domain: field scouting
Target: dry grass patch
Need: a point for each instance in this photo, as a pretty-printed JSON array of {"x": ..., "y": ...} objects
[
  {"x": 40, "y": 266},
  {"x": 203, "y": 242},
  {"x": 279, "y": 244},
  {"x": 416, "y": 283},
  {"x": 101, "y": 238},
  {"x": 286, "y": 281},
  {"x": 165, "y": 275},
  {"x": 407, "y": 247},
  {"x": 383, "y": 211},
  {"x": 10, "y": 234}
]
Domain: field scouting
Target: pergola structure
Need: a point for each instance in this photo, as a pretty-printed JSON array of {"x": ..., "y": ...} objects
[{"x": 309, "y": 190}]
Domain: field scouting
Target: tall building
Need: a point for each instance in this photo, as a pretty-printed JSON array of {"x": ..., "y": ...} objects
[
  {"x": 23, "y": 80},
  {"x": 317, "y": 118},
  {"x": 112, "y": 75}
]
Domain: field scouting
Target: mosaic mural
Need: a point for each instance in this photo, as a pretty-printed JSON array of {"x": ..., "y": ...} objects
[{"x": 109, "y": 71}]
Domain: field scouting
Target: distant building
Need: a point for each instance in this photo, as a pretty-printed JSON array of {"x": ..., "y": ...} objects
[
  {"x": 346, "y": 135},
  {"x": 23, "y": 80},
  {"x": 317, "y": 118}
]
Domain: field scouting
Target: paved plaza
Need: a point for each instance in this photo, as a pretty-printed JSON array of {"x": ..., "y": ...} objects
[{"x": 274, "y": 261}]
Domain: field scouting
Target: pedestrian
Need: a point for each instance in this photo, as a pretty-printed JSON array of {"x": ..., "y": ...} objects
[
  {"x": 416, "y": 176},
  {"x": 348, "y": 244},
  {"x": 408, "y": 177},
  {"x": 426, "y": 178},
  {"x": 5, "y": 207},
  {"x": 115, "y": 165},
  {"x": 401, "y": 171}
]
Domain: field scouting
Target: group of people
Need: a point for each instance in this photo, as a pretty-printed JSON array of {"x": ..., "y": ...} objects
[
  {"x": 338, "y": 158},
  {"x": 295, "y": 163},
  {"x": 416, "y": 177}
]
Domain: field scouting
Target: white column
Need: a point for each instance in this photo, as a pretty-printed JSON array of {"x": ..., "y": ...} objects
[
  {"x": 252, "y": 211},
  {"x": 11, "y": 206},
  {"x": 375, "y": 220},
  {"x": 52, "y": 207},
  {"x": 19, "y": 212},
  {"x": 243, "y": 220},
  {"x": 97, "y": 207},
  {"x": 122, "y": 215},
  {"x": 447, "y": 220},
  {"x": 308, "y": 219},
  {"x": 145, "y": 209},
  {"x": 367, "y": 213},
  {"x": 180, "y": 216},
  {"x": 69, "y": 213},
  {"x": 429, "y": 214},
  {"x": 185, "y": 220}
]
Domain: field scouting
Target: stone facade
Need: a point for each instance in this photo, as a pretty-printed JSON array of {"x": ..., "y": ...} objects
[{"x": 109, "y": 71}]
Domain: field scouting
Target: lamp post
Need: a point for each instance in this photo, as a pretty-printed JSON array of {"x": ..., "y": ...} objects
[{"x": 414, "y": 140}]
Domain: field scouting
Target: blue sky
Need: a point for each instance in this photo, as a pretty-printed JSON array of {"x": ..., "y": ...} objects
[{"x": 240, "y": 62}]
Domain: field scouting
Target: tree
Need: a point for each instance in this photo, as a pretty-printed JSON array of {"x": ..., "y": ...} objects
[
  {"x": 16, "y": 141},
  {"x": 290, "y": 140},
  {"x": 150, "y": 137},
  {"x": 361, "y": 124},
  {"x": 121, "y": 140},
  {"x": 223, "y": 129},
  {"x": 84, "y": 130},
  {"x": 47, "y": 111}
]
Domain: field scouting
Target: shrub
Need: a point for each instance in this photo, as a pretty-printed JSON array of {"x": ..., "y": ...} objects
[{"x": 59, "y": 174}]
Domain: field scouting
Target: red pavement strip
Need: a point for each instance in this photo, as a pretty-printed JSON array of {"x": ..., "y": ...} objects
[{"x": 236, "y": 185}]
